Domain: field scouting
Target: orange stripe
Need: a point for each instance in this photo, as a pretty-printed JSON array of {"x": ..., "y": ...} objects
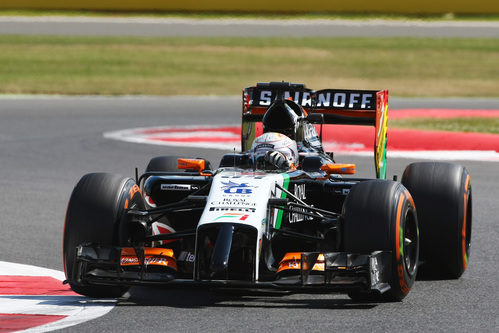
[
  {"x": 409, "y": 197},
  {"x": 400, "y": 266},
  {"x": 397, "y": 227}
]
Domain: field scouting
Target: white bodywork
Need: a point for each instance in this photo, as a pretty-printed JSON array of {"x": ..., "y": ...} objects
[{"x": 241, "y": 197}]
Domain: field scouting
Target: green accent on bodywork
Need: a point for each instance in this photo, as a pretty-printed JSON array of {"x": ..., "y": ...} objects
[
  {"x": 381, "y": 166},
  {"x": 382, "y": 169},
  {"x": 285, "y": 185}
]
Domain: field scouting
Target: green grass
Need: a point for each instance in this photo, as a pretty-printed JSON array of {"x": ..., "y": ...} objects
[
  {"x": 479, "y": 125},
  {"x": 222, "y": 66}
]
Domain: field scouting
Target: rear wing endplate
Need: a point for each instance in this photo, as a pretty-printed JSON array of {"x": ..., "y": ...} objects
[{"x": 337, "y": 106}]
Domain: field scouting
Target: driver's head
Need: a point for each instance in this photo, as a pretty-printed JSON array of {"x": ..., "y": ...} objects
[
  {"x": 271, "y": 142},
  {"x": 281, "y": 118}
]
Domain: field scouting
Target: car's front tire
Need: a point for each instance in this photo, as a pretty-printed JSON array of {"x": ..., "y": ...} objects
[
  {"x": 95, "y": 215},
  {"x": 380, "y": 215}
]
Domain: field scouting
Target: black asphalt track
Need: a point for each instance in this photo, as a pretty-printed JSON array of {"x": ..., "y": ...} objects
[{"x": 47, "y": 144}]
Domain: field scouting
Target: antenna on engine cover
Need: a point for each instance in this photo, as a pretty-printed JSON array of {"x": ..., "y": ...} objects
[{"x": 234, "y": 156}]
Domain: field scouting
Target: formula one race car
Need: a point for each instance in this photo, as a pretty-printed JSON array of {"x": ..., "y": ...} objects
[{"x": 267, "y": 219}]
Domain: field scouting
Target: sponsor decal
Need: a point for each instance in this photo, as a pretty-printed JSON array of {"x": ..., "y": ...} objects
[
  {"x": 300, "y": 194},
  {"x": 358, "y": 100},
  {"x": 186, "y": 256},
  {"x": 375, "y": 274},
  {"x": 232, "y": 209},
  {"x": 328, "y": 98},
  {"x": 264, "y": 145},
  {"x": 233, "y": 202},
  {"x": 233, "y": 216},
  {"x": 237, "y": 188},
  {"x": 176, "y": 187},
  {"x": 265, "y": 97},
  {"x": 133, "y": 260}
]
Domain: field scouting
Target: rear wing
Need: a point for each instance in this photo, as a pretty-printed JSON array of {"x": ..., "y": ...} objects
[{"x": 326, "y": 106}]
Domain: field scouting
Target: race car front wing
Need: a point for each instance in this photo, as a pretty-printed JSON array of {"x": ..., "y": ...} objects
[{"x": 104, "y": 265}]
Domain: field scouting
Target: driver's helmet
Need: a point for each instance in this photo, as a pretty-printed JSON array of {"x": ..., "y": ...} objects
[
  {"x": 281, "y": 118},
  {"x": 270, "y": 142}
]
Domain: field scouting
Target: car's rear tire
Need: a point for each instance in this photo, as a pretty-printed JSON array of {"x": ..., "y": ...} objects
[
  {"x": 380, "y": 215},
  {"x": 442, "y": 194},
  {"x": 168, "y": 163},
  {"x": 95, "y": 214},
  {"x": 163, "y": 163}
]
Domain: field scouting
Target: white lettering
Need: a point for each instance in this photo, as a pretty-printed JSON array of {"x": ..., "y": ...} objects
[
  {"x": 339, "y": 100},
  {"x": 300, "y": 194},
  {"x": 324, "y": 100},
  {"x": 307, "y": 99},
  {"x": 353, "y": 100},
  {"x": 366, "y": 99},
  {"x": 265, "y": 97}
]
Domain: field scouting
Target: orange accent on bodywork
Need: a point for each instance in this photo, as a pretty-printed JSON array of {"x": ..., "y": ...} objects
[
  {"x": 126, "y": 203},
  {"x": 292, "y": 260},
  {"x": 152, "y": 257},
  {"x": 194, "y": 164},
  {"x": 338, "y": 168}
]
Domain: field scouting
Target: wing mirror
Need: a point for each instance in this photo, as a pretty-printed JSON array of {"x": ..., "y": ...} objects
[
  {"x": 198, "y": 165},
  {"x": 330, "y": 168}
]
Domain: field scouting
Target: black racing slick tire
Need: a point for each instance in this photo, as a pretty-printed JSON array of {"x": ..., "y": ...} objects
[
  {"x": 442, "y": 193},
  {"x": 95, "y": 214},
  {"x": 380, "y": 215},
  {"x": 163, "y": 163}
]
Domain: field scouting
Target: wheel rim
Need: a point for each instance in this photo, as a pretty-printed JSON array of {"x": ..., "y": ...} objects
[{"x": 411, "y": 243}]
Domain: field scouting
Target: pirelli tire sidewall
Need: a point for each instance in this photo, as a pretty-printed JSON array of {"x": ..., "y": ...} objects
[
  {"x": 380, "y": 215},
  {"x": 443, "y": 196},
  {"x": 96, "y": 214},
  {"x": 406, "y": 230}
]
